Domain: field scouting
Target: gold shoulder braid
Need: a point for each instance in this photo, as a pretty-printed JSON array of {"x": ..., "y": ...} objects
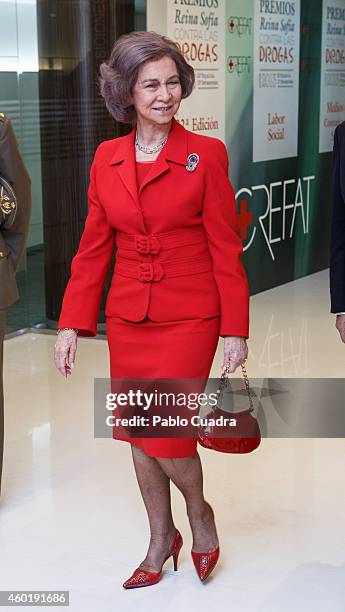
[
  {"x": 8, "y": 200},
  {"x": 8, "y": 203}
]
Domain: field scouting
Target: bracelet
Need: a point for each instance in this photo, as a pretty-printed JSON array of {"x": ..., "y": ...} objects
[{"x": 66, "y": 329}]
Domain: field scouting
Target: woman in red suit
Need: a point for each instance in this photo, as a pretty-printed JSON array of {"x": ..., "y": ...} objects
[{"x": 162, "y": 195}]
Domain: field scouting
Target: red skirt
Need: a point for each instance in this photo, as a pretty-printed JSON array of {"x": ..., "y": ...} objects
[{"x": 173, "y": 349}]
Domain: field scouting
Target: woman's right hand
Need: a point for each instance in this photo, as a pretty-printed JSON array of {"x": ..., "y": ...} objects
[{"x": 65, "y": 350}]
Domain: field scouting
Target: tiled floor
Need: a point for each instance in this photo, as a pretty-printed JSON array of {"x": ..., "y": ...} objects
[{"x": 71, "y": 516}]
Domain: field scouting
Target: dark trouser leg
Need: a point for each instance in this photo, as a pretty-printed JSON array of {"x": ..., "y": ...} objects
[{"x": 2, "y": 332}]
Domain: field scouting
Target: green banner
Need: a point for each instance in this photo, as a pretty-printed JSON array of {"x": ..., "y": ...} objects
[{"x": 284, "y": 204}]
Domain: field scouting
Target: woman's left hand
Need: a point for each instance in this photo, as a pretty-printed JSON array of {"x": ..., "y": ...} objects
[{"x": 235, "y": 351}]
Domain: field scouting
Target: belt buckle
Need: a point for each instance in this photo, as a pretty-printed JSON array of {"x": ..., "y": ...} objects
[
  {"x": 150, "y": 271},
  {"x": 142, "y": 244},
  {"x": 147, "y": 244},
  {"x": 145, "y": 271}
]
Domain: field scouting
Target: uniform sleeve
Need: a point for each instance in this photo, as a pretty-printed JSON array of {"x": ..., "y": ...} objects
[
  {"x": 15, "y": 195},
  {"x": 221, "y": 225},
  {"x": 337, "y": 242},
  {"x": 89, "y": 267}
]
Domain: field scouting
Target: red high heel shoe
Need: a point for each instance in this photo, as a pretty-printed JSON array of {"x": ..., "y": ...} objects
[
  {"x": 205, "y": 562},
  {"x": 142, "y": 577}
]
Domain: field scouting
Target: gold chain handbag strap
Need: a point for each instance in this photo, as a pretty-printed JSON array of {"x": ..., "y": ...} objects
[{"x": 224, "y": 379}]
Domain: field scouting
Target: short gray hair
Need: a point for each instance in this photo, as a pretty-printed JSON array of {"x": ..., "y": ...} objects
[{"x": 119, "y": 74}]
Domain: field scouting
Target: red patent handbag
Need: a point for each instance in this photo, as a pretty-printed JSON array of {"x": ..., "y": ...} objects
[{"x": 246, "y": 435}]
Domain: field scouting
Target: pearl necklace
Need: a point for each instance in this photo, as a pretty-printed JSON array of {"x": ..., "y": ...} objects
[{"x": 149, "y": 148}]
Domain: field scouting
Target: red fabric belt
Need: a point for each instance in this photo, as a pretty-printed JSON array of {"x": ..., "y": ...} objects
[
  {"x": 147, "y": 271},
  {"x": 153, "y": 243}
]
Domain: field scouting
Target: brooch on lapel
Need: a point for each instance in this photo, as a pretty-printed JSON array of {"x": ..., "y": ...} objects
[{"x": 193, "y": 160}]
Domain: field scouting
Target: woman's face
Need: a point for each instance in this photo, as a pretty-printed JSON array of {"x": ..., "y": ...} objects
[{"x": 157, "y": 93}]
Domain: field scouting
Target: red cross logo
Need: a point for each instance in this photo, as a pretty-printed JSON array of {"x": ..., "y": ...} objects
[
  {"x": 245, "y": 219},
  {"x": 231, "y": 64}
]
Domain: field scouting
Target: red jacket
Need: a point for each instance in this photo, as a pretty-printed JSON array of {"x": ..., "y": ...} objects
[{"x": 179, "y": 252}]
